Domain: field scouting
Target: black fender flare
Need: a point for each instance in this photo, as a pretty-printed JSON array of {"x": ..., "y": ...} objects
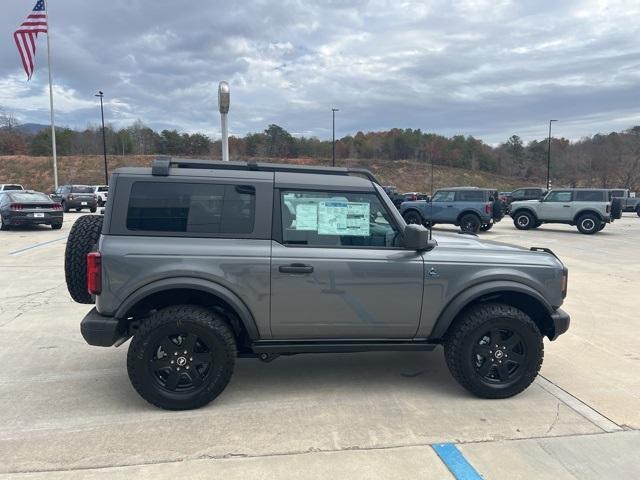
[
  {"x": 514, "y": 214},
  {"x": 469, "y": 295},
  {"x": 193, "y": 283},
  {"x": 585, "y": 211}
]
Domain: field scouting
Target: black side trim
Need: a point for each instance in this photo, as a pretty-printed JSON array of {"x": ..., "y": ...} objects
[{"x": 336, "y": 346}]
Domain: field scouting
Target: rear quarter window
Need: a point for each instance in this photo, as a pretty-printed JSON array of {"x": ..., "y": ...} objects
[
  {"x": 470, "y": 196},
  {"x": 590, "y": 196},
  {"x": 191, "y": 208}
]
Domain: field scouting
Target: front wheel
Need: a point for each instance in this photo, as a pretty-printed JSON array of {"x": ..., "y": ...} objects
[
  {"x": 413, "y": 218},
  {"x": 494, "y": 350},
  {"x": 486, "y": 227},
  {"x": 182, "y": 357},
  {"x": 470, "y": 223},
  {"x": 524, "y": 221}
]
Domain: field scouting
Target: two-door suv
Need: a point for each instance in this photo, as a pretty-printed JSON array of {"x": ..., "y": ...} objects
[
  {"x": 589, "y": 209},
  {"x": 201, "y": 262}
]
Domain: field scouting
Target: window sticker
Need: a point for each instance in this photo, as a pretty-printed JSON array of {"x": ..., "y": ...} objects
[
  {"x": 343, "y": 218},
  {"x": 307, "y": 216}
]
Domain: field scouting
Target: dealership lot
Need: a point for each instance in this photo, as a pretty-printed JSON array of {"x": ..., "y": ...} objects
[{"x": 67, "y": 406}]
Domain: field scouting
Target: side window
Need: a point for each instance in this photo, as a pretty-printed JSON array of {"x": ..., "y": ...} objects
[
  {"x": 558, "y": 197},
  {"x": 470, "y": 196},
  {"x": 341, "y": 219},
  {"x": 590, "y": 196},
  {"x": 444, "y": 196},
  {"x": 517, "y": 194},
  {"x": 191, "y": 208}
]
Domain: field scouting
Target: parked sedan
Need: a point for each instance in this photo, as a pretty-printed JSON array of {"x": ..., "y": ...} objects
[
  {"x": 25, "y": 207},
  {"x": 76, "y": 197}
]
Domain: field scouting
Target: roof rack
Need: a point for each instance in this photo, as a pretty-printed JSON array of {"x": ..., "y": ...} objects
[{"x": 162, "y": 165}]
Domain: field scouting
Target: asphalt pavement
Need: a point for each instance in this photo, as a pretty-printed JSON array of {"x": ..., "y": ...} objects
[{"x": 67, "y": 410}]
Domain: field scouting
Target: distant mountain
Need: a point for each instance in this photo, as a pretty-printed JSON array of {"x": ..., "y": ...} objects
[{"x": 31, "y": 128}]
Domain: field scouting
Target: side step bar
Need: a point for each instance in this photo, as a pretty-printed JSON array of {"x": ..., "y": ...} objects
[{"x": 333, "y": 346}]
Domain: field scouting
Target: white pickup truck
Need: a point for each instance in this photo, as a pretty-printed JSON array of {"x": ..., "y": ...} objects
[{"x": 588, "y": 209}]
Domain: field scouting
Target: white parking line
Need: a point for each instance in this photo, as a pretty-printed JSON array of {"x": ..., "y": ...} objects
[{"x": 37, "y": 245}]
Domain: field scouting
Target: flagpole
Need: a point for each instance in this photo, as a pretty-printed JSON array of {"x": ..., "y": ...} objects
[{"x": 53, "y": 127}]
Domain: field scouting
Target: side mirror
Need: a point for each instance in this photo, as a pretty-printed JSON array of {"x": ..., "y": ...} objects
[{"x": 416, "y": 237}]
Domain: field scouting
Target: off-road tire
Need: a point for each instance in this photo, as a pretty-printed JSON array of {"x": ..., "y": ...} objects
[
  {"x": 486, "y": 227},
  {"x": 601, "y": 226},
  {"x": 616, "y": 208},
  {"x": 56, "y": 226},
  {"x": 498, "y": 210},
  {"x": 638, "y": 211},
  {"x": 461, "y": 340},
  {"x": 190, "y": 319},
  {"x": 524, "y": 220},
  {"x": 470, "y": 222},
  {"x": 588, "y": 224},
  {"x": 413, "y": 217},
  {"x": 93, "y": 210},
  {"x": 82, "y": 239},
  {"x": 3, "y": 225}
]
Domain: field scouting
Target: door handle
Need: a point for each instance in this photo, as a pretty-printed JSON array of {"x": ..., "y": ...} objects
[
  {"x": 297, "y": 268},
  {"x": 449, "y": 206},
  {"x": 566, "y": 206}
]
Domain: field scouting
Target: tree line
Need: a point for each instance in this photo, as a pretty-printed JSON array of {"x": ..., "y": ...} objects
[{"x": 604, "y": 160}]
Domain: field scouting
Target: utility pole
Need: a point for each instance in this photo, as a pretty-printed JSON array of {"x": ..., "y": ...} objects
[
  {"x": 549, "y": 157},
  {"x": 333, "y": 113},
  {"x": 104, "y": 139},
  {"x": 224, "y": 99}
]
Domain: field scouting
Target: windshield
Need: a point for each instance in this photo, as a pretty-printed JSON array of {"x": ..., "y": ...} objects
[
  {"x": 12, "y": 187},
  {"x": 103, "y": 189},
  {"x": 81, "y": 189},
  {"x": 27, "y": 197}
]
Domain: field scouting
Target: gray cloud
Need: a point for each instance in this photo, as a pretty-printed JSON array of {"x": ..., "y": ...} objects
[{"x": 488, "y": 68}]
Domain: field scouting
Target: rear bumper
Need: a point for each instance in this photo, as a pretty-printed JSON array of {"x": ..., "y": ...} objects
[
  {"x": 561, "y": 321},
  {"x": 28, "y": 218},
  {"x": 101, "y": 331},
  {"x": 77, "y": 203}
]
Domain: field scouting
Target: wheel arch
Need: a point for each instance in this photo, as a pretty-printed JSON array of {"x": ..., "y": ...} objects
[
  {"x": 586, "y": 211},
  {"x": 515, "y": 294},
  {"x": 412, "y": 210},
  {"x": 523, "y": 210},
  {"x": 195, "y": 291},
  {"x": 466, "y": 212}
]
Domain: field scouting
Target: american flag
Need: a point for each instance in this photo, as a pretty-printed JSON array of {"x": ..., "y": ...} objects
[{"x": 25, "y": 36}]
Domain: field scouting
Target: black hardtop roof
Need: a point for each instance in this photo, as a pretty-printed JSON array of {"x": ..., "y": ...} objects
[
  {"x": 487, "y": 189},
  {"x": 163, "y": 165}
]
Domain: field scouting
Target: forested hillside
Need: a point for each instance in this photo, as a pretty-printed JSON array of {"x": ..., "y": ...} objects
[{"x": 604, "y": 160}]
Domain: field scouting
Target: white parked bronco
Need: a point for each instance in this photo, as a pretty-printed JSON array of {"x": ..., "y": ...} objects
[{"x": 588, "y": 209}]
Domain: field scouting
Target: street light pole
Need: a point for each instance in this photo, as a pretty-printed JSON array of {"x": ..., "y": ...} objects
[
  {"x": 104, "y": 139},
  {"x": 549, "y": 156},
  {"x": 224, "y": 99},
  {"x": 333, "y": 113}
]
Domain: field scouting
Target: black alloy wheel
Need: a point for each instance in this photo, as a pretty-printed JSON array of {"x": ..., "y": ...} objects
[
  {"x": 498, "y": 355},
  {"x": 413, "y": 218},
  {"x": 470, "y": 223}
]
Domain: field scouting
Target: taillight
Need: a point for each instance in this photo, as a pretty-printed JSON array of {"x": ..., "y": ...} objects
[
  {"x": 487, "y": 208},
  {"x": 608, "y": 208},
  {"x": 17, "y": 206},
  {"x": 57, "y": 206},
  {"x": 94, "y": 273}
]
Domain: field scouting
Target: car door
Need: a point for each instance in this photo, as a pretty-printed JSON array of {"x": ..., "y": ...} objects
[
  {"x": 337, "y": 270},
  {"x": 443, "y": 206},
  {"x": 557, "y": 206}
]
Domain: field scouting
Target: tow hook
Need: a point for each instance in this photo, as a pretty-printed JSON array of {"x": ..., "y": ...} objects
[{"x": 268, "y": 357}]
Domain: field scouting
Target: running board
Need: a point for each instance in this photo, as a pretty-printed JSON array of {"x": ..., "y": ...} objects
[{"x": 336, "y": 346}]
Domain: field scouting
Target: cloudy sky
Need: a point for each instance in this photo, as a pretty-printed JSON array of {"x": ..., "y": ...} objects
[{"x": 487, "y": 68}]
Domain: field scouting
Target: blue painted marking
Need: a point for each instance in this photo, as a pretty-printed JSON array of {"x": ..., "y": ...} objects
[
  {"x": 37, "y": 245},
  {"x": 455, "y": 462}
]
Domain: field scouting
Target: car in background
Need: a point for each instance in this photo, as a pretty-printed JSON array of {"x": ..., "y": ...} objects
[
  {"x": 76, "y": 197},
  {"x": 473, "y": 209},
  {"x": 504, "y": 196},
  {"x": 409, "y": 197},
  {"x": 527, "y": 193},
  {"x": 589, "y": 209},
  {"x": 630, "y": 203},
  {"x": 102, "y": 192},
  {"x": 5, "y": 187},
  {"x": 26, "y": 207}
]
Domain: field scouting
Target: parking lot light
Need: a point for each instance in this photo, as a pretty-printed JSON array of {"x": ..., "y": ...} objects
[{"x": 549, "y": 157}]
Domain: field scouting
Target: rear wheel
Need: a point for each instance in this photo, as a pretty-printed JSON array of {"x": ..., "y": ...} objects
[
  {"x": 82, "y": 239},
  {"x": 486, "y": 227},
  {"x": 524, "y": 221},
  {"x": 56, "y": 226},
  {"x": 413, "y": 218},
  {"x": 182, "y": 357},
  {"x": 470, "y": 223},
  {"x": 494, "y": 350},
  {"x": 589, "y": 224},
  {"x": 3, "y": 225}
]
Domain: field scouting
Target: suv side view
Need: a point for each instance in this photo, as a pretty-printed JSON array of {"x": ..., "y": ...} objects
[
  {"x": 76, "y": 197},
  {"x": 201, "y": 262},
  {"x": 472, "y": 209},
  {"x": 588, "y": 209}
]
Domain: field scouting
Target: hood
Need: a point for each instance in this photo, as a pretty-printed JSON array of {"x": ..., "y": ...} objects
[{"x": 461, "y": 240}]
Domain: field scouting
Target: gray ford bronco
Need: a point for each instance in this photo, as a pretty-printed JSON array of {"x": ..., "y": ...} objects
[{"x": 202, "y": 262}]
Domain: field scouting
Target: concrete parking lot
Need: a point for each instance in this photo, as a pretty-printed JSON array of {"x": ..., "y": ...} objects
[{"x": 68, "y": 410}]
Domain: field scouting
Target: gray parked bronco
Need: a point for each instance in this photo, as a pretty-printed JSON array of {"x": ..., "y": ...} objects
[{"x": 201, "y": 262}]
